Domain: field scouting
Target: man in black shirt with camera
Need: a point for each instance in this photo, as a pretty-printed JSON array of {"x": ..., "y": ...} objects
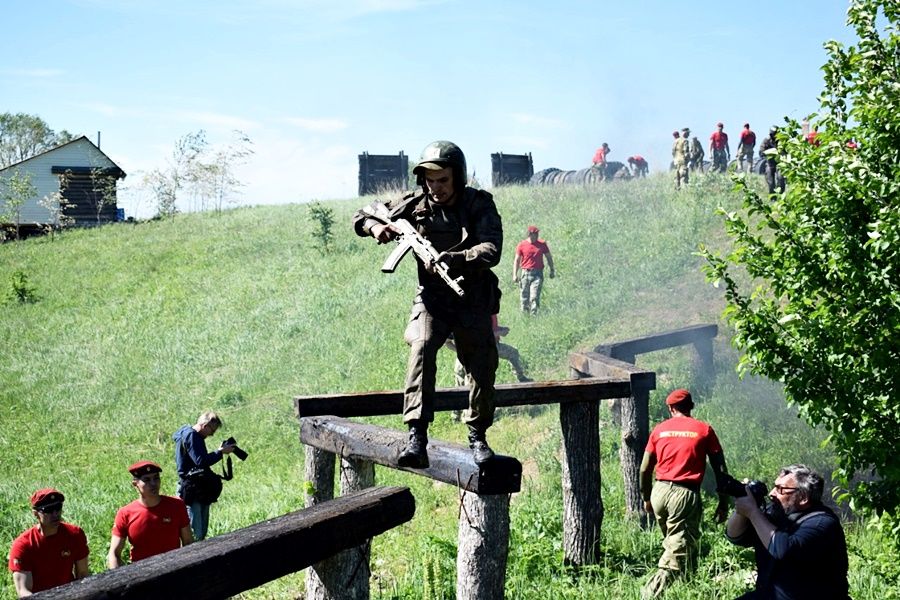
[
  {"x": 193, "y": 463},
  {"x": 799, "y": 543}
]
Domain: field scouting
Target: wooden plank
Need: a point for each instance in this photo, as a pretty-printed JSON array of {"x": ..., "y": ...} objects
[
  {"x": 659, "y": 341},
  {"x": 371, "y": 404},
  {"x": 594, "y": 364},
  {"x": 450, "y": 463},
  {"x": 228, "y": 564}
]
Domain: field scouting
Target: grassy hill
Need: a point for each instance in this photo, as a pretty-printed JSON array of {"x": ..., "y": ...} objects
[{"x": 138, "y": 328}]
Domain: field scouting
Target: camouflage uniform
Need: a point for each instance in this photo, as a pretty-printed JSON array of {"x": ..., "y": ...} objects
[
  {"x": 697, "y": 155},
  {"x": 680, "y": 156},
  {"x": 774, "y": 178}
]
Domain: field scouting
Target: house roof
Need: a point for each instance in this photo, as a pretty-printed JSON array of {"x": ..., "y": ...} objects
[{"x": 55, "y": 148}]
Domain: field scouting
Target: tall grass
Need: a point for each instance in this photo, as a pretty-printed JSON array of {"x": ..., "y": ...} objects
[{"x": 138, "y": 328}]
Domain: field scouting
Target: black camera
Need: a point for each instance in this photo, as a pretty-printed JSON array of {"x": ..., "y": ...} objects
[
  {"x": 738, "y": 489},
  {"x": 241, "y": 454}
]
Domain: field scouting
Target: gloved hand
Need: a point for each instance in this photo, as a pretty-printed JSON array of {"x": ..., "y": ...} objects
[{"x": 454, "y": 260}]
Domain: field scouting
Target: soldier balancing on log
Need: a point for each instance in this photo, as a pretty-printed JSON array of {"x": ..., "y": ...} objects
[{"x": 464, "y": 228}]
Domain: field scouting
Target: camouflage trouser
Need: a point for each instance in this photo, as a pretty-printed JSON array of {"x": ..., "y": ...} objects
[
  {"x": 504, "y": 351},
  {"x": 681, "y": 175},
  {"x": 719, "y": 161},
  {"x": 745, "y": 159},
  {"x": 476, "y": 349},
  {"x": 678, "y": 511},
  {"x": 530, "y": 283},
  {"x": 774, "y": 178}
]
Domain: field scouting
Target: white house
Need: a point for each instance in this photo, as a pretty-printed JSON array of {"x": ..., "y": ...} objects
[{"x": 79, "y": 171}]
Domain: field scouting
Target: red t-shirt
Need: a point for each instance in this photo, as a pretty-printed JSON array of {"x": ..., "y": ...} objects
[
  {"x": 532, "y": 254},
  {"x": 719, "y": 140},
  {"x": 600, "y": 156},
  {"x": 748, "y": 138},
  {"x": 813, "y": 138},
  {"x": 638, "y": 160},
  {"x": 152, "y": 531},
  {"x": 50, "y": 559},
  {"x": 681, "y": 445}
]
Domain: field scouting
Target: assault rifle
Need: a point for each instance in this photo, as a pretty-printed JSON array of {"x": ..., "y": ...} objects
[{"x": 410, "y": 239}]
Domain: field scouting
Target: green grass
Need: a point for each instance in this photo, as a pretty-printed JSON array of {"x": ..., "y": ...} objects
[{"x": 138, "y": 328}]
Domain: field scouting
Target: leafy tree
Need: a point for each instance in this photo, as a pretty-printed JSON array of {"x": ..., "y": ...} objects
[
  {"x": 15, "y": 190},
  {"x": 169, "y": 182},
  {"x": 22, "y": 136},
  {"x": 323, "y": 218},
  {"x": 56, "y": 203},
  {"x": 812, "y": 283}
]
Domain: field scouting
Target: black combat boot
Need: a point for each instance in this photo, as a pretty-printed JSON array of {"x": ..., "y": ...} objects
[
  {"x": 477, "y": 442},
  {"x": 415, "y": 455}
]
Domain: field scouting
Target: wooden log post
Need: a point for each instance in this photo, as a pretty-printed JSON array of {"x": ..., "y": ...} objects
[
  {"x": 635, "y": 419},
  {"x": 582, "y": 503},
  {"x": 234, "y": 562},
  {"x": 483, "y": 534},
  {"x": 482, "y": 546}
]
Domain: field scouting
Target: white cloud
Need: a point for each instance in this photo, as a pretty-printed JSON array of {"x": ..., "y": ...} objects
[
  {"x": 318, "y": 125},
  {"x": 211, "y": 119}
]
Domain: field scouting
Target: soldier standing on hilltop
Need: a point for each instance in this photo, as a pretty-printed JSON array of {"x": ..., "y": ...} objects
[
  {"x": 697, "y": 155},
  {"x": 463, "y": 225},
  {"x": 746, "y": 144},
  {"x": 718, "y": 149},
  {"x": 768, "y": 150},
  {"x": 680, "y": 157}
]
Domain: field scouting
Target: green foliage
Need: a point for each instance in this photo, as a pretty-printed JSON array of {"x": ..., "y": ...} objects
[
  {"x": 821, "y": 309},
  {"x": 15, "y": 190},
  {"x": 322, "y": 218},
  {"x": 20, "y": 290},
  {"x": 23, "y": 135}
]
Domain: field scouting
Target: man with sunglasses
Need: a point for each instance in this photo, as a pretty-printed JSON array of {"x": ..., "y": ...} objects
[
  {"x": 51, "y": 553},
  {"x": 798, "y": 542},
  {"x": 153, "y": 523}
]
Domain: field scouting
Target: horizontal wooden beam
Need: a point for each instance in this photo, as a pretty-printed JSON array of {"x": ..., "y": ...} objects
[
  {"x": 594, "y": 364},
  {"x": 372, "y": 404},
  {"x": 234, "y": 562},
  {"x": 450, "y": 463},
  {"x": 659, "y": 341}
]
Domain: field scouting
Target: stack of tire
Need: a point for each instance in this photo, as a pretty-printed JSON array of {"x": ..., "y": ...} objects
[{"x": 589, "y": 176}]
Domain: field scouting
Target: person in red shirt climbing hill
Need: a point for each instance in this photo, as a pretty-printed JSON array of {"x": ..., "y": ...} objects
[
  {"x": 677, "y": 449},
  {"x": 528, "y": 269}
]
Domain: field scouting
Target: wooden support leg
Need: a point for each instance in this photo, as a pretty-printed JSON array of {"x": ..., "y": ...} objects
[
  {"x": 319, "y": 472},
  {"x": 635, "y": 432},
  {"x": 582, "y": 504},
  {"x": 482, "y": 547}
]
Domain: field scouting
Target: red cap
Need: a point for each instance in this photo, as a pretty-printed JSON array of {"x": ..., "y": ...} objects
[
  {"x": 719, "y": 124},
  {"x": 46, "y": 497},
  {"x": 679, "y": 395},
  {"x": 533, "y": 229},
  {"x": 145, "y": 467}
]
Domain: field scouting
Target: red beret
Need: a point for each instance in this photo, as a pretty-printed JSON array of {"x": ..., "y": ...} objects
[
  {"x": 679, "y": 395},
  {"x": 719, "y": 124},
  {"x": 533, "y": 229},
  {"x": 145, "y": 467},
  {"x": 46, "y": 497}
]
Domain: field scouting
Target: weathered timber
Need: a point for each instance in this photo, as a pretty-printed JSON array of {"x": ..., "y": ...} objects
[
  {"x": 344, "y": 576},
  {"x": 450, "y": 463},
  {"x": 371, "y": 404},
  {"x": 658, "y": 341},
  {"x": 634, "y": 418},
  {"x": 582, "y": 504},
  {"x": 234, "y": 562},
  {"x": 482, "y": 547}
]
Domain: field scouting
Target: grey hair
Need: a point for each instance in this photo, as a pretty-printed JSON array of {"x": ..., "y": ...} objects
[{"x": 809, "y": 483}]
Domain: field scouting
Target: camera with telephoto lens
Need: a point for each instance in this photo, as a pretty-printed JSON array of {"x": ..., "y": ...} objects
[
  {"x": 738, "y": 489},
  {"x": 241, "y": 454}
]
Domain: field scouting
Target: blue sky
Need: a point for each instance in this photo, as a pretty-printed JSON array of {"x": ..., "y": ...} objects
[{"x": 314, "y": 83}]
